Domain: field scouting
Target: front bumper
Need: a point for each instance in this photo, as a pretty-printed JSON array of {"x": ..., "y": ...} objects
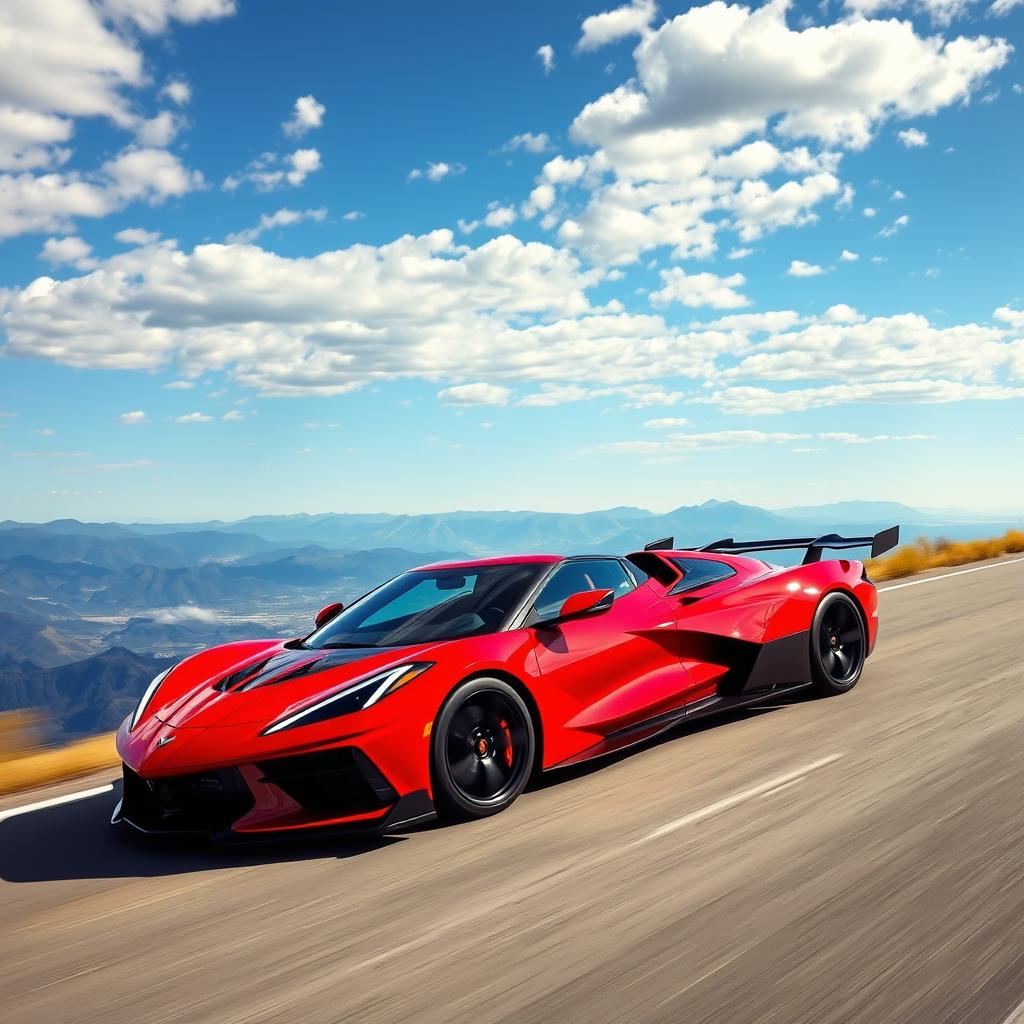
[{"x": 339, "y": 789}]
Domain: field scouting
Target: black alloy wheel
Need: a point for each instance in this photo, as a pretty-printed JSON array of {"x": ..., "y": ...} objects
[
  {"x": 838, "y": 645},
  {"x": 482, "y": 750}
]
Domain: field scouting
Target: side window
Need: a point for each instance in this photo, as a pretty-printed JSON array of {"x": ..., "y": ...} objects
[
  {"x": 699, "y": 572},
  {"x": 585, "y": 574}
]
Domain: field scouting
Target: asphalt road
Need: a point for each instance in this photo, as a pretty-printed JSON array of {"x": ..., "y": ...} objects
[{"x": 848, "y": 860}]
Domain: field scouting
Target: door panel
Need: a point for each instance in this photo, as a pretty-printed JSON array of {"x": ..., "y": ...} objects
[{"x": 620, "y": 666}]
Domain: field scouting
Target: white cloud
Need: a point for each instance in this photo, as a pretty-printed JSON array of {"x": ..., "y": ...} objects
[
  {"x": 178, "y": 91},
  {"x": 759, "y": 207},
  {"x": 475, "y": 394},
  {"x": 1003, "y": 7},
  {"x": 150, "y": 174},
  {"x": 731, "y": 65},
  {"x": 798, "y": 268},
  {"x": 282, "y": 218},
  {"x": 50, "y": 202},
  {"x": 753, "y": 160},
  {"x": 233, "y": 416},
  {"x": 879, "y": 350},
  {"x": 845, "y": 437},
  {"x": 681, "y": 442},
  {"x": 159, "y": 131},
  {"x": 132, "y": 418},
  {"x": 269, "y": 171},
  {"x": 1013, "y": 317},
  {"x": 71, "y": 250},
  {"x": 629, "y": 20},
  {"x": 353, "y": 215},
  {"x": 869, "y": 211},
  {"x": 668, "y": 423},
  {"x": 137, "y": 236},
  {"x": 755, "y": 323},
  {"x": 913, "y": 138},
  {"x": 312, "y": 311},
  {"x": 435, "y": 172},
  {"x": 194, "y": 417},
  {"x": 308, "y": 114},
  {"x": 896, "y": 226},
  {"x": 739, "y": 254},
  {"x": 546, "y": 53},
  {"x": 184, "y": 613},
  {"x": 30, "y": 140},
  {"x": 703, "y": 289},
  {"x": 499, "y": 216},
  {"x": 898, "y": 195},
  {"x": 60, "y": 59},
  {"x": 841, "y": 313},
  {"x": 849, "y": 257},
  {"x": 152, "y": 16},
  {"x": 942, "y": 12},
  {"x": 758, "y": 401},
  {"x": 539, "y": 143},
  {"x": 506, "y": 313},
  {"x": 304, "y": 162}
]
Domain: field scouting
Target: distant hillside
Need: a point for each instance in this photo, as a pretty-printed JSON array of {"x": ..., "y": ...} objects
[
  {"x": 140, "y": 585},
  {"x": 88, "y": 696},
  {"x": 186, "y": 635},
  {"x": 855, "y": 512},
  {"x": 701, "y": 524},
  {"x": 37, "y": 641}
]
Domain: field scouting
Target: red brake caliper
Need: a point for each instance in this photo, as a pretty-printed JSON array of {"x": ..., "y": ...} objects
[{"x": 508, "y": 743}]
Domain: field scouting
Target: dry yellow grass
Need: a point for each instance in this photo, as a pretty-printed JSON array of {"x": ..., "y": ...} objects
[
  {"x": 25, "y": 767},
  {"x": 925, "y": 554}
]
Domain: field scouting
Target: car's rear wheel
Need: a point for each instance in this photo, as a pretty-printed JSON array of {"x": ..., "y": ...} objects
[
  {"x": 838, "y": 645},
  {"x": 482, "y": 749}
]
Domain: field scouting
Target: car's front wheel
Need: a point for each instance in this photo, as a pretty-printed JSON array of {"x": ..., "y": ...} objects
[
  {"x": 482, "y": 749},
  {"x": 838, "y": 645}
]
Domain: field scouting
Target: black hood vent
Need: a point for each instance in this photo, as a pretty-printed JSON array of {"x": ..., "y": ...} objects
[{"x": 291, "y": 665}]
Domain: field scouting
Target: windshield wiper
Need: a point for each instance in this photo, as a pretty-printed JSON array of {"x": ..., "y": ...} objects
[{"x": 338, "y": 645}]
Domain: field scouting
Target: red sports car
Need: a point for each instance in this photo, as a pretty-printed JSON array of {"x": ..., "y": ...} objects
[{"x": 445, "y": 689}]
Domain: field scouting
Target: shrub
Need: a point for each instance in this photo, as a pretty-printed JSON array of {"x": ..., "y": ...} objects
[{"x": 924, "y": 554}]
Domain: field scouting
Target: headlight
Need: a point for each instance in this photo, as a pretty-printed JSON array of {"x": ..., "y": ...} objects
[
  {"x": 147, "y": 697},
  {"x": 353, "y": 698}
]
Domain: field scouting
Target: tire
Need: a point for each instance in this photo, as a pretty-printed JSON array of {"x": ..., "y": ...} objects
[
  {"x": 481, "y": 751},
  {"x": 838, "y": 645}
]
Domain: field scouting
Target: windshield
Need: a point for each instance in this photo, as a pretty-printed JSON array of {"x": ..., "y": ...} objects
[{"x": 431, "y": 604}]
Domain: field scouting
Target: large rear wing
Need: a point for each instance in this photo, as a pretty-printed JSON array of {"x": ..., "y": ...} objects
[{"x": 879, "y": 544}]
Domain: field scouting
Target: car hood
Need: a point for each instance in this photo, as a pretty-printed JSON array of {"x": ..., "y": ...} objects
[{"x": 261, "y": 681}]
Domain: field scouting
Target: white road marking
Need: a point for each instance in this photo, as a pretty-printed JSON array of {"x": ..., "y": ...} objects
[
  {"x": 55, "y": 801},
  {"x": 1017, "y": 1016},
  {"x": 947, "y": 575},
  {"x": 762, "y": 789}
]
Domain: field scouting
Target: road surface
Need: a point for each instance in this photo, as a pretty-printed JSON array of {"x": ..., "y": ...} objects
[{"x": 857, "y": 859}]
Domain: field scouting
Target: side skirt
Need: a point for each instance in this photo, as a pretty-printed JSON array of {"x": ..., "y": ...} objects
[{"x": 634, "y": 734}]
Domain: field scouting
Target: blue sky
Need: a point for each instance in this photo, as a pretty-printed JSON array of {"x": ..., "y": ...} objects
[{"x": 408, "y": 257}]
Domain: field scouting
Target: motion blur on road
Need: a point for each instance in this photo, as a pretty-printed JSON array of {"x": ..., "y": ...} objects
[{"x": 856, "y": 859}]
